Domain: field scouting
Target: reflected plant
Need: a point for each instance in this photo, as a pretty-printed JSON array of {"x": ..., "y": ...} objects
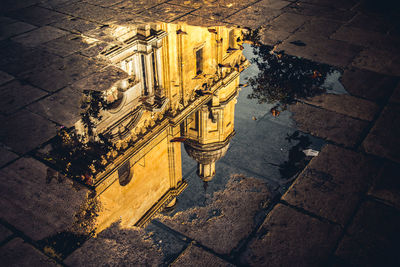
[{"x": 92, "y": 104}]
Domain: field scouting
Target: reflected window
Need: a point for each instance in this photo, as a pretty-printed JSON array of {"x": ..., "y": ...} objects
[
  {"x": 145, "y": 89},
  {"x": 125, "y": 174},
  {"x": 231, "y": 39},
  {"x": 199, "y": 61}
]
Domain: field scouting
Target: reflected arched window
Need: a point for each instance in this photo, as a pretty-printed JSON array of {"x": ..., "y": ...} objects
[{"x": 125, "y": 174}]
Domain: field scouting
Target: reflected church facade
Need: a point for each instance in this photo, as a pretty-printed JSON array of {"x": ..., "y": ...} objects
[{"x": 181, "y": 86}]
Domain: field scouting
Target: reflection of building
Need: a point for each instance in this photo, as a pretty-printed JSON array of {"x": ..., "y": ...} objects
[{"x": 182, "y": 81}]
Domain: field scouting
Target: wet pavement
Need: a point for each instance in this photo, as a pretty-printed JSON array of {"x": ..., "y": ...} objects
[{"x": 324, "y": 75}]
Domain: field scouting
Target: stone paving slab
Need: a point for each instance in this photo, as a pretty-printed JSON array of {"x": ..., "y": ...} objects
[
  {"x": 75, "y": 25},
  {"x": 17, "y": 95},
  {"x": 320, "y": 11},
  {"x": 253, "y": 16},
  {"x": 320, "y": 27},
  {"x": 166, "y": 12},
  {"x": 384, "y": 62},
  {"x": 383, "y": 139},
  {"x": 195, "y": 256},
  {"x": 396, "y": 95},
  {"x": 66, "y": 45},
  {"x": 227, "y": 219},
  {"x": 340, "y": 4},
  {"x": 24, "y": 131},
  {"x": 37, "y": 15},
  {"x": 372, "y": 238},
  {"x": 5, "y": 77},
  {"x": 290, "y": 238},
  {"x": 367, "y": 84},
  {"x": 6, "y": 156},
  {"x": 346, "y": 105},
  {"x": 34, "y": 205},
  {"x": 39, "y": 36},
  {"x": 18, "y": 253},
  {"x": 62, "y": 107},
  {"x": 288, "y": 22},
  {"x": 386, "y": 185},
  {"x": 331, "y": 185},
  {"x": 117, "y": 247},
  {"x": 13, "y": 29},
  {"x": 328, "y": 124}
]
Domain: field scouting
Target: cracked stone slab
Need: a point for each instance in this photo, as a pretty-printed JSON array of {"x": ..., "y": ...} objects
[
  {"x": 384, "y": 62},
  {"x": 227, "y": 219},
  {"x": 372, "y": 237},
  {"x": 17, "y": 95},
  {"x": 13, "y": 29},
  {"x": 327, "y": 124},
  {"x": 290, "y": 238},
  {"x": 331, "y": 185},
  {"x": 346, "y": 105},
  {"x": 195, "y": 256},
  {"x": 39, "y": 36},
  {"x": 34, "y": 205},
  {"x": 62, "y": 107},
  {"x": 18, "y": 253},
  {"x": 386, "y": 185},
  {"x": 24, "y": 131},
  {"x": 118, "y": 247},
  {"x": 383, "y": 139},
  {"x": 5, "y": 77},
  {"x": 367, "y": 84}
]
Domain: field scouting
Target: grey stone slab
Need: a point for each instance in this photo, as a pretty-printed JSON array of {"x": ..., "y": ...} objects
[
  {"x": 9, "y": 5},
  {"x": 340, "y": 4},
  {"x": 118, "y": 247},
  {"x": 88, "y": 12},
  {"x": 24, "y": 131},
  {"x": 62, "y": 107},
  {"x": 372, "y": 237},
  {"x": 331, "y": 185},
  {"x": 367, "y": 84},
  {"x": 346, "y": 105},
  {"x": 290, "y": 238},
  {"x": 328, "y": 124},
  {"x": 272, "y": 37},
  {"x": 253, "y": 16},
  {"x": 75, "y": 25},
  {"x": 13, "y": 29},
  {"x": 17, "y": 95},
  {"x": 61, "y": 73},
  {"x": 37, "y": 15},
  {"x": 370, "y": 22},
  {"x": 6, "y": 156},
  {"x": 18, "y": 253},
  {"x": 227, "y": 219},
  {"x": 4, "y": 233},
  {"x": 166, "y": 12},
  {"x": 5, "y": 77},
  {"x": 195, "y": 256},
  {"x": 34, "y": 205},
  {"x": 321, "y": 11},
  {"x": 39, "y": 36},
  {"x": 383, "y": 139},
  {"x": 320, "y": 27},
  {"x": 384, "y": 62},
  {"x": 333, "y": 52},
  {"x": 288, "y": 22},
  {"x": 100, "y": 80},
  {"x": 386, "y": 185},
  {"x": 66, "y": 45}
]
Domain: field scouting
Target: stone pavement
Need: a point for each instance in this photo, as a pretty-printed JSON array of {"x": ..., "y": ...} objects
[{"x": 342, "y": 209}]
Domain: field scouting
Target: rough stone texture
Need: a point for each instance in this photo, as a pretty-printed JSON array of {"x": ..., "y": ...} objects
[
  {"x": 33, "y": 205},
  {"x": 13, "y": 29},
  {"x": 62, "y": 107},
  {"x": 75, "y": 25},
  {"x": 117, "y": 247},
  {"x": 383, "y": 139},
  {"x": 214, "y": 11},
  {"x": 331, "y": 185},
  {"x": 5, "y": 77},
  {"x": 166, "y": 12},
  {"x": 346, "y": 105},
  {"x": 6, "y": 156},
  {"x": 328, "y": 124},
  {"x": 290, "y": 238},
  {"x": 4, "y": 233},
  {"x": 195, "y": 256},
  {"x": 253, "y": 16},
  {"x": 272, "y": 37},
  {"x": 371, "y": 59},
  {"x": 66, "y": 45},
  {"x": 372, "y": 238},
  {"x": 16, "y": 95},
  {"x": 386, "y": 185},
  {"x": 39, "y": 36},
  {"x": 227, "y": 219},
  {"x": 367, "y": 84},
  {"x": 18, "y": 253},
  {"x": 288, "y": 22},
  {"x": 24, "y": 131}
]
